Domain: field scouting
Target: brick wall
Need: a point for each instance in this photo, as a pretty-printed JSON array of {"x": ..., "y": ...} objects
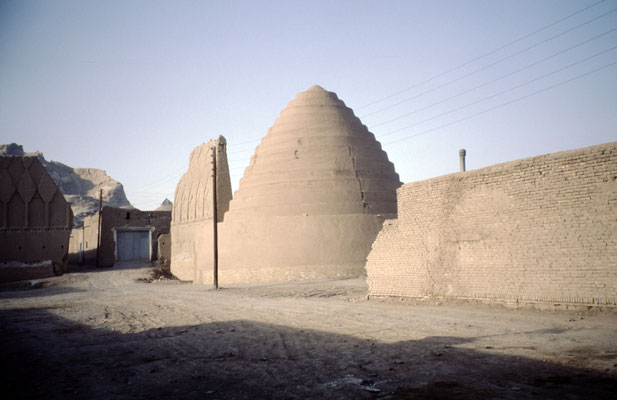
[{"x": 536, "y": 229}]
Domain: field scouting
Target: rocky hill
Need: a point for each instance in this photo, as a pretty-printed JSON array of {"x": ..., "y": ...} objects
[{"x": 80, "y": 186}]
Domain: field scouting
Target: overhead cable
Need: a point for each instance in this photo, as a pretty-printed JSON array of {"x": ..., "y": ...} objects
[
  {"x": 500, "y": 93},
  {"x": 489, "y": 65},
  {"x": 496, "y": 79},
  {"x": 481, "y": 56},
  {"x": 503, "y": 104}
]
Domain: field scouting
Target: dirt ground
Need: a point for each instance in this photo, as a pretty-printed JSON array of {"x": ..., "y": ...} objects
[{"x": 119, "y": 334}]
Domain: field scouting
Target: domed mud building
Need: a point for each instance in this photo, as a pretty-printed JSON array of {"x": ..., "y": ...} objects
[{"x": 309, "y": 206}]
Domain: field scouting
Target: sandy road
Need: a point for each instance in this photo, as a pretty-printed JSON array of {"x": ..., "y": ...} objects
[{"x": 103, "y": 334}]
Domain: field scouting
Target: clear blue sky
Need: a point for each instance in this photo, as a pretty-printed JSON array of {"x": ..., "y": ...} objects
[{"x": 132, "y": 87}]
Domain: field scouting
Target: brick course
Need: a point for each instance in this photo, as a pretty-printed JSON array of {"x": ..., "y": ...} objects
[{"x": 537, "y": 229}]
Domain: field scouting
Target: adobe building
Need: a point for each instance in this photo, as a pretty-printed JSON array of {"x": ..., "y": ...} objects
[
  {"x": 540, "y": 229},
  {"x": 35, "y": 221},
  {"x": 126, "y": 234},
  {"x": 308, "y": 207}
]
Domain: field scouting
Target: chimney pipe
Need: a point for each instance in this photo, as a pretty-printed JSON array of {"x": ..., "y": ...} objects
[{"x": 461, "y": 155}]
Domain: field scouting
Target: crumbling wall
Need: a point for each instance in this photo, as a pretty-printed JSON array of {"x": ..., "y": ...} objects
[
  {"x": 191, "y": 226},
  {"x": 536, "y": 229},
  {"x": 35, "y": 221}
]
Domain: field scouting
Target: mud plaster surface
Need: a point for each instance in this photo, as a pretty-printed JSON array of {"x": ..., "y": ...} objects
[{"x": 116, "y": 334}]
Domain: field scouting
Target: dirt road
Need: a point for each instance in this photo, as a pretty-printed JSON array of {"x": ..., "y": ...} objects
[{"x": 112, "y": 334}]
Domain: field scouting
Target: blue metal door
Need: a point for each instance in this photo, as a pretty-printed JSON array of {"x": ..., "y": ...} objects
[{"x": 133, "y": 245}]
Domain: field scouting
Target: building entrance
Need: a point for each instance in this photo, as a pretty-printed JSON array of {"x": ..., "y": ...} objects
[{"x": 133, "y": 245}]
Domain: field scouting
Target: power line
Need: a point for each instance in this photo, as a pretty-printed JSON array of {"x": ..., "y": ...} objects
[
  {"x": 237, "y": 159},
  {"x": 166, "y": 178},
  {"x": 157, "y": 193},
  {"x": 491, "y": 96},
  {"x": 464, "y": 76},
  {"x": 448, "y": 71},
  {"x": 500, "y": 93},
  {"x": 480, "y": 57},
  {"x": 240, "y": 151},
  {"x": 153, "y": 195},
  {"x": 494, "y": 95},
  {"x": 496, "y": 79},
  {"x": 241, "y": 143},
  {"x": 247, "y": 142},
  {"x": 502, "y": 105},
  {"x": 489, "y": 65}
]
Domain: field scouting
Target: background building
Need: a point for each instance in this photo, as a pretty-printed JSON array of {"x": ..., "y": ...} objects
[{"x": 125, "y": 235}]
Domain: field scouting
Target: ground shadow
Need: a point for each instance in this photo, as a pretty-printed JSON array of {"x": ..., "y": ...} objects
[
  {"x": 118, "y": 266},
  {"x": 33, "y": 292},
  {"x": 32, "y": 288},
  {"x": 48, "y": 357}
]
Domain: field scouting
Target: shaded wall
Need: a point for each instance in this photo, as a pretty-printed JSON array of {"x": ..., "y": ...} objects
[
  {"x": 157, "y": 222},
  {"x": 536, "y": 229},
  {"x": 35, "y": 221}
]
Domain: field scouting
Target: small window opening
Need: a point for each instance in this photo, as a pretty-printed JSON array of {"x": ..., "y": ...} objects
[{"x": 128, "y": 215}]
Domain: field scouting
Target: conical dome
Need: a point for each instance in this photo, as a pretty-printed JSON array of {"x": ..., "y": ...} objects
[
  {"x": 309, "y": 206},
  {"x": 317, "y": 159}
]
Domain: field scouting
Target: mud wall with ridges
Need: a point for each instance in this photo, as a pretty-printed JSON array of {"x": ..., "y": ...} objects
[
  {"x": 193, "y": 198},
  {"x": 192, "y": 211}
]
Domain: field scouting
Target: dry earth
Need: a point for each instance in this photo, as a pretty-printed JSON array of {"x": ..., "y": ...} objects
[{"x": 118, "y": 334}]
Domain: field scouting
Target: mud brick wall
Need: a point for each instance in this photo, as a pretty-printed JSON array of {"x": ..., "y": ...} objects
[{"x": 536, "y": 229}]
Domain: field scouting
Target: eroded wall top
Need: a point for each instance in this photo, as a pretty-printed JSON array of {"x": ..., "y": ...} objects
[{"x": 193, "y": 199}]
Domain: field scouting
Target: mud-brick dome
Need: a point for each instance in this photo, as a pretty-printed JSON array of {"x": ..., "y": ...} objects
[{"x": 317, "y": 159}]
